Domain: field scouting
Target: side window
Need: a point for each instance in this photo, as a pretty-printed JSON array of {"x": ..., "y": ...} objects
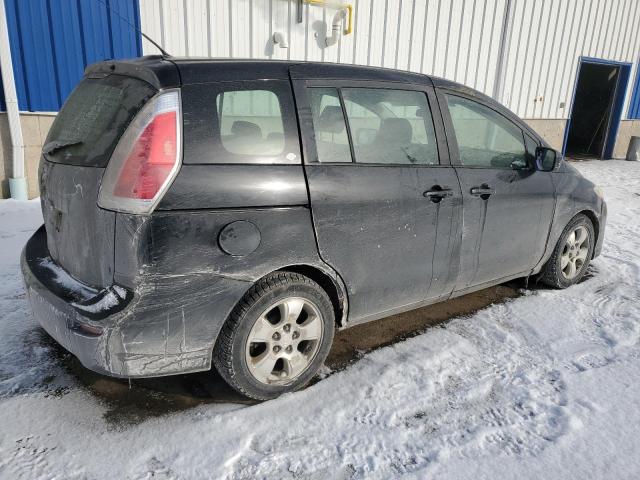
[
  {"x": 240, "y": 122},
  {"x": 485, "y": 138},
  {"x": 390, "y": 126},
  {"x": 332, "y": 141},
  {"x": 250, "y": 122}
]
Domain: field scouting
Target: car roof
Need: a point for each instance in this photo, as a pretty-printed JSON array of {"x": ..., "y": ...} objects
[
  {"x": 158, "y": 70},
  {"x": 199, "y": 70}
]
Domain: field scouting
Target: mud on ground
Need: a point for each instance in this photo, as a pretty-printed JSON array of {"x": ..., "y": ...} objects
[{"x": 133, "y": 402}]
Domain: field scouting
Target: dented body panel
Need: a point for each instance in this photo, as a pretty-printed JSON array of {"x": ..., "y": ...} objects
[
  {"x": 69, "y": 193},
  {"x": 146, "y": 295},
  {"x": 574, "y": 194},
  {"x": 182, "y": 289}
]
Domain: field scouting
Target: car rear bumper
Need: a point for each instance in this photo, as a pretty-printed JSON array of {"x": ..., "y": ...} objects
[{"x": 166, "y": 326}]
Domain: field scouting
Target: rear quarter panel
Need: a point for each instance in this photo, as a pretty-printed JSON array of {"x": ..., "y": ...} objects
[{"x": 185, "y": 285}]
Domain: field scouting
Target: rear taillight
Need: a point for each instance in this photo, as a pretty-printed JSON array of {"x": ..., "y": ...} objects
[{"x": 146, "y": 159}]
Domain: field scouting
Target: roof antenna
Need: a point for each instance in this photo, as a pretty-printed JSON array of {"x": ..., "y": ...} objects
[{"x": 164, "y": 53}]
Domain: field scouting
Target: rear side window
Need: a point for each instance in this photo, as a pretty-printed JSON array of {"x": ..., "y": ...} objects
[
  {"x": 250, "y": 122},
  {"x": 240, "y": 122},
  {"x": 485, "y": 138},
  {"x": 390, "y": 126},
  {"x": 94, "y": 117},
  {"x": 332, "y": 141}
]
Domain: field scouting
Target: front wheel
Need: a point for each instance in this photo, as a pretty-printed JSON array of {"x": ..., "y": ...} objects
[
  {"x": 572, "y": 254},
  {"x": 277, "y": 337}
]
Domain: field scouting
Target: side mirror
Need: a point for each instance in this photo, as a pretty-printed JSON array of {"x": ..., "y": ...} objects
[{"x": 547, "y": 159}]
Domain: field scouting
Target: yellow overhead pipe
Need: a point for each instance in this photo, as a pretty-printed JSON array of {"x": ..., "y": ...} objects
[{"x": 341, "y": 6}]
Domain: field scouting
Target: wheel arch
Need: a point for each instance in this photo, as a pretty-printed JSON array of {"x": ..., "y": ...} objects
[
  {"x": 590, "y": 214},
  {"x": 330, "y": 283}
]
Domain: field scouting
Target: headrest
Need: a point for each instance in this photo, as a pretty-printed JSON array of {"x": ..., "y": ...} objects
[
  {"x": 395, "y": 130},
  {"x": 331, "y": 119},
  {"x": 246, "y": 129}
]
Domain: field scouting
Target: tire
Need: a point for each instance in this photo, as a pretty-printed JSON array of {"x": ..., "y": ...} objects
[
  {"x": 256, "y": 334},
  {"x": 557, "y": 272}
]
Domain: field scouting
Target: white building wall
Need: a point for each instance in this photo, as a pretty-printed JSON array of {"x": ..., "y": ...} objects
[
  {"x": 545, "y": 66},
  {"x": 455, "y": 39}
]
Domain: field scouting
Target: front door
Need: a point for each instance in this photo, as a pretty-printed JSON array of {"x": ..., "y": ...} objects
[
  {"x": 508, "y": 205},
  {"x": 384, "y": 201}
]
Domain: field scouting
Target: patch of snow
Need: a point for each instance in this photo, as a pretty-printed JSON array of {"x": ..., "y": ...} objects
[
  {"x": 543, "y": 386},
  {"x": 111, "y": 298}
]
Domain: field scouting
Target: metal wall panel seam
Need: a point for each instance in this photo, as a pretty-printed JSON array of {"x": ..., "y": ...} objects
[
  {"x": 602, "y": 51},
  {"x": 619, "y": 16},
  {"x": 590, "y": 28},
  {"x": 231, "y": 28},
  {"x": 413, "y": 16},
  {"x": 506, "y": 25},
  {"x": 163, "y": 40},
  {"x": 395, "y": 63},
  {"x": 466, "y": 63},
  {"x": 552, "y": 97},
  {"x": 632, "y": 51},
  {"x": 623, "y": 28},
  {"x": 447, "y": 41},
  {"x": 548, "y": 55},
  {"x": 370, "y": 28},
  {"x": 629, "y": 46},
  {"x": 524, "y": 92},
  {"x": 526, "y": 49},
  {"x": 455, "y": 68},
  {"x": 435, "y": 43},
  {"x": 424, "y": 36},
  {"x": 384, "y": 31},
  {"x": 490, "y": 49},
  {"x": 593, "y": 47},
  {"x": 565, "y": 63}
]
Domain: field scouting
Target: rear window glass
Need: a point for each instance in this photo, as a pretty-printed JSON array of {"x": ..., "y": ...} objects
[
  {"x": 240, "y": 122},
  {"x": 93, "y": 119},
  {"x": 250, "y": 122}
]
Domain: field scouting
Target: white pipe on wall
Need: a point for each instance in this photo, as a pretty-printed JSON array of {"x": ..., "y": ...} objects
[
  {"x": 336, "y": 27},
  {"x": 17, "y": 181}
]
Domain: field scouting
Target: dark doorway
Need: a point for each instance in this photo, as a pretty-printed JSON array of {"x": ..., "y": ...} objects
[{"x": 597, "y": 107}]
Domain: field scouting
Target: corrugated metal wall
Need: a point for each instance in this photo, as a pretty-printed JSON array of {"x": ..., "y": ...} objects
[
  {"x": 546, "y": 39},
  {"x": 455, "y": 39},
  {"x": 53, "y": 40}
]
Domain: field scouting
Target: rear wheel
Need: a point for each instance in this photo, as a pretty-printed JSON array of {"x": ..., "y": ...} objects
[
  {"x": 572, "y": 254},
  {"x": 277, "y": 337}
]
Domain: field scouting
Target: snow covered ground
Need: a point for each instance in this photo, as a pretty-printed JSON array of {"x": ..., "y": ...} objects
[{"x": 543, "y": 386}]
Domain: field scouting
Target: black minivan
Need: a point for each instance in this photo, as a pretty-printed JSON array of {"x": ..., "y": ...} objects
[{"x": 237, "y": 212}]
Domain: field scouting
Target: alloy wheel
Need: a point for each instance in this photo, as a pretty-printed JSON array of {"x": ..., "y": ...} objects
[
  {"x": 284, "y": 340},
  {"x": 574, "y": 254}
]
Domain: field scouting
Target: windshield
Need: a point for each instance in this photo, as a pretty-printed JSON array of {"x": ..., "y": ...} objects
[{"x": 93, "y": 119}]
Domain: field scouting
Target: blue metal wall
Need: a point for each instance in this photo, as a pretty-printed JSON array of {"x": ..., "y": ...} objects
[
  {"x": 52, "y": 41},
  {"x": 634, "y": 103}
]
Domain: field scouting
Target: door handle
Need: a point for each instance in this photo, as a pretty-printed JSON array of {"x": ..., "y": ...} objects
[
  {"x": 437, "y": 193},
  {"x": 484, "y": 191}
]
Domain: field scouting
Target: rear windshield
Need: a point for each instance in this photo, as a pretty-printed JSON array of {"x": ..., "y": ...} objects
[{"x": 93, "y": 118}]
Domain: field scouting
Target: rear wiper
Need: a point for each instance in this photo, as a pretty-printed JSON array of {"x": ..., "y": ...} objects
[{"x": 52, "y": 147}]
